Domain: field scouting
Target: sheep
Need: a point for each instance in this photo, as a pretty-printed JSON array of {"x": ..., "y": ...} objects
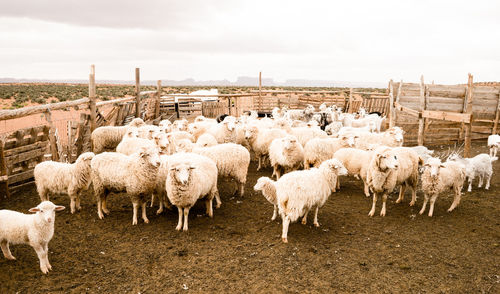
[
  {"x": 423, "y": 152},
  {"x": 108, "y": 137},
  {"x": 35, "y": 230},
  {"x": 206, "y": 140},
  {"x": 372, "y": 120},
  {"x": 320, "y": 149},
  {"x": 198, "y": 128},
  {"x": 268, "y": 189},
  {"x": 393, "y": 137},
  {"x": 286, "y": 154},
  {"x": 224, "y": 131},
  {"x": 190, "y": 177},
  {"x": 160, "y": 191},
  {"x": 355, "y": 161},
  {"x": 300, "y": 114},
  {"x": 390, "y": 167},
  {"x": 134, "y": 174},
  {"x": 57, "y": 177},
  {"x": 163, "y": 143},
  {"x": 260, "y": 139},
  {"x": 232, "y": 161},
  {"x": 129, "y": 146},
  {"x": 439, "y": 177},
  {"x": 493, "y": 144},
  {"x": 180, "y": 125},
  {"x": 333, "y": 128},
  {"x": 303, "y": 134},
  {"x": 478, "y": 166},
  {"x": 298, "y": 192},
  {"x": 148, "y": 131}
]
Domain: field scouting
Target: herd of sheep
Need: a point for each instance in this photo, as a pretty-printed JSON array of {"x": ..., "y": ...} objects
[{"x": 179, "y": 163}]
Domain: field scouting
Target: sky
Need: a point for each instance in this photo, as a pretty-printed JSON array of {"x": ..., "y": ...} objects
[{"x": 357, "y": 41}]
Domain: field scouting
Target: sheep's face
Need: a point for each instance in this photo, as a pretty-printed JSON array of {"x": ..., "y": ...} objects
[
  {"x": 184, "y": 145},
  {"x": 362, "y": 112},
  {"x": 199, "y": 118},
  {"x": 350, "y": 140},
  {"x": 251, "y": 132},
  {"x": 309, "y": 110},
  {"x": 433, "y": 165},
  {"x": 162, "y": 142},
  {"x": 164, "y": 123},
  {"x": 454, "y": 157},
  {"x": 397, "y": 134},
  {"x": 86, "y": 157},
  {"x": 132, "y": 133},
  {"x": 180, "y": 125},
  {"x": 290, "y": 142},
  {"x": 336, "y": 166},
  {"x": 46, "y": 210},
  {"x": 230, "y": 125},
  {"x": 182, "y": 172},
  {"x": 151, "y": 155},
  {"x": 386, "y": 161},
  {"x": 137, "y": 122},
  {"x": 261, "y": 182}
]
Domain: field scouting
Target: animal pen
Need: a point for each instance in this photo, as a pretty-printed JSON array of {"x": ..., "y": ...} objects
[{"x": 430, "y": 114}]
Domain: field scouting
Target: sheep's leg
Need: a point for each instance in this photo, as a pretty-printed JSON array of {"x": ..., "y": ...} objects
[
  {"x": 186, "y": 214},
  {"x": 99, "y": 208},
  {"x": 78, "y": 206},
  {"x": 144, "y": 216},
  {"x": 179, "y": 223},
  {"x": 217, "y": 199},
  {"x": 432, "y": 202},
  {"x": 105, "y": 204},
  {"x": 46, "y": 248},
  {"x": 488, "y": 178},
  {"x": 480, "y": 181},
  {"x": 241, "y": 188},
  {"x": 153, "y": 200},
  {"x": 284, "y": 235},
  {"x": 44, "y": 195},
  {"x": 338, "y": 184},
  {"x": 470, "y": 185},
  {"x": 275, "y": 212},
  {"x": 208, "y": 204},
  {"x": 135, "y": 208},
  {"x": 40, "y": 252},
  {"x": 260, "y": 162},
  {"x": 413, "y": 195},
  {"x": 384, "y": 200},
  {"x": 367, "y": 189},
  {"x": 426, "y": 199},
  {"x": 6, "y": 250},
  {"x": 456, "y": 200},
  {"x": 161, "y": 200},
  {"x": 374, "y": 202},
  {"x": 316, "y": 224},
  {"x": 304, "y": 218},
  {"x": 402, "y": 191}
]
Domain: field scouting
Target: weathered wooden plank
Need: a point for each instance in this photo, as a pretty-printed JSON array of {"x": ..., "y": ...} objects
[
  {"x": 444, "y": 107},
  {"x": 4, "y": 182},
  {"x": 19, "y": 177},
  {"x": 36, "y": 145},
  {"x": 450, "y": 116},
  {"x": 25, "y": 111},
  {"x": 25, "y": 156}
]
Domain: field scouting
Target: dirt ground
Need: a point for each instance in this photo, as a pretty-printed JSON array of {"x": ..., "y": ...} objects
[{"x": 240, "y": 249}]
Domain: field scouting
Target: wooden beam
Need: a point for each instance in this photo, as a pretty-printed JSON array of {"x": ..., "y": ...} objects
[
  {"x": 448, "y": 116},
  {"x": 406, "y": 110},
  {"x": 25, "y": 111},
  {"x": 350, "y": 108},
  {"x": 260, "y": 90},
  {"x": 158, "y": 99},
  {"x": 22, "y": 176},
  {"x": 420, "y": 140},
  {"x": 399, "y": 91},
  {"x": 137, "y": 92},
  {"x": 468, "y": 127},
  {"x": 4, "y": 182},
  {"x": 497, "y": 116},
  {"x": 92, "y": 99},
  {"x": 392, "y": 113},
  {"x": 52, "y": 137}
]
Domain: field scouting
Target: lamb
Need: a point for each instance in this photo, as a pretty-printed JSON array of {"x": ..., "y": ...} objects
[
  {"x": 439, "y": 177},
  {"x": 206, "y": 140},
  {"x": 108, "y": 137},
  {"x": 57, "y": 177},
  {"x": 320, "y": 149},
  {"x": 493, "y": 144},
  {"x": 134, "y": 174},
  {"x": 298, "y": 192},
  {"x": 232, "y": 161},
  {"x": 390, "y": 167},
  {"x": 393, "y": 137},
  {"x": 260, "y": 139},
  {"x": 286, "y": 154},
  {"x": 34, "y": 229},
  {"x": 129, "y": 146},
  {"x": 300, "y": 114},
  {"x": 478, "y": 166},
  {"x": 268, "y": 189},
  {"x": 190, "y": 177},
  {"x": 355, "y": 161}
]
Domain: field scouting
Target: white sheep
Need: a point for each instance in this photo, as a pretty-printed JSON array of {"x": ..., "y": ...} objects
[
  {"x": 477, "y": 166},
  {"x": 129, "y": 145},
  {"x": 160, "y": 191},
  {"x": 423, "y": 152},
  {"x": 180, "y": 125},
  {"x": 390, "y": 167},
  {"x": 232, "y": 161},
  {"x": 223, "y": 132},
  {"x": 268, "y": 189},
  {"x": 493, "y": 144},
  {"x": 300, "y": 114},
  {"x": 320, "y": 149},
  {"x": 134, "y": 174},
  {"x": 393, "y": 137},
  {"x": 356, "y": 162},
  {"x": 286, "y": 154},
  {"x": 333, "y": 128},
  {"x": 206, "y": 140},
  {"x": 298, "y": 192},
  {"x": 148, "y": 131},
  {"x": 163, "y": 143},
  {"x": 259, "y": 140},
  {"x": 190, "y": 177},
  {"x": 108, "y": 137},
  {"x": 440, "y": 177},
  {"x": 198, "y": 128},
  {"x": 57, "y": 177},
  {"x": 34, "y": 229}
]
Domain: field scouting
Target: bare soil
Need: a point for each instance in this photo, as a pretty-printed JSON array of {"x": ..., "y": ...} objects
[{"x": 240, "y": 249}]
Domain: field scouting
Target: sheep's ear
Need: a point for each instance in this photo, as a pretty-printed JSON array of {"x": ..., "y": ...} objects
[
  {"x": 59, "y": 208},
  {"x": 442, "y": 165},
  {"x": 34, "y": 209},
  {"x": 192, "y": 167},
  {"x": 172, "y": 168}
]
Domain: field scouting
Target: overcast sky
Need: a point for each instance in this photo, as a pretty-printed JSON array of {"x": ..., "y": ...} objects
[{"x": 370, "y": 41}]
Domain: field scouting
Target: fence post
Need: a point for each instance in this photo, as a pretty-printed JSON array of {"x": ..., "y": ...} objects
[
  {"x": 92, "y": 98},
  {"x": 4, "y": 184},
  {"x": 468, "y": 127},
  {"x": 158, "y": 98},
  {"x": 137, "y": 92},
  {"x": 350, "y": 108},
  {"x": 52, "y": 136},
  {"x": 260, "y": 90},
  {"x": 497, "y": 116},
  {"x": 392, "y": 112},
  {"x": 421, "y": 109}
]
